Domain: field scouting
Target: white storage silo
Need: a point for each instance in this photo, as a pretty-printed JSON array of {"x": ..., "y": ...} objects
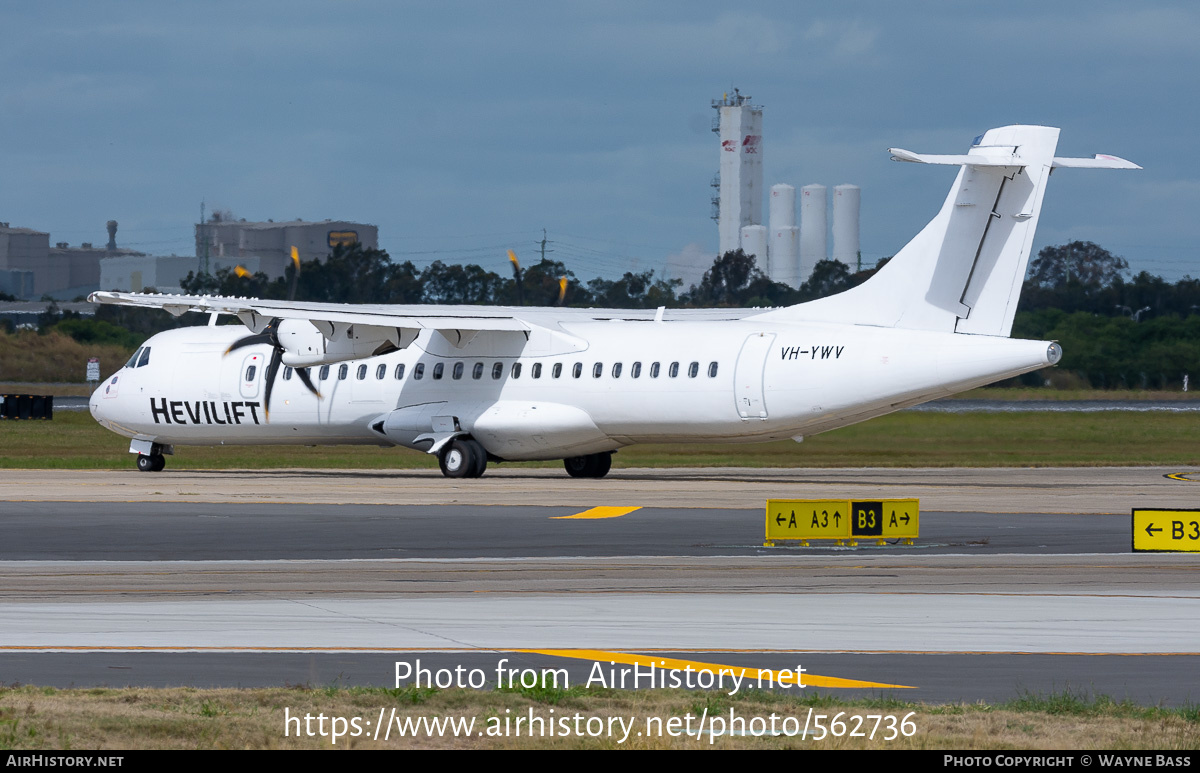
[
  {"x": 754, "y": 242},
  {"x": 785, "y": 255},
  {"x": 845, "y": 224},
  {"x": 783, "y": 206},
  {"x": 813, "y": 226},
  {"x": 784, "y": 247}
]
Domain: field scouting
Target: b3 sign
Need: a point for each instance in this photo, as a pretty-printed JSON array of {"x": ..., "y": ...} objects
[{"x": 1166, "y": 530}]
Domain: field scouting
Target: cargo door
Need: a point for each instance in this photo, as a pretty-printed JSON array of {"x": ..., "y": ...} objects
[{"x": 751, "y": 401}]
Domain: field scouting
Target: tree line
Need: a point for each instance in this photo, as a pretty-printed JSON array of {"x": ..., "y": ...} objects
[{"x": 1139, "y": 332}]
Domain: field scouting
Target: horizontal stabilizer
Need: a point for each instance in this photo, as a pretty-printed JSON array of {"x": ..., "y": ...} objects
[
  {"x": 1099, "y": 161},
  {"x": 972, "y": 159},
  {"x": 1012, "y": 159}
]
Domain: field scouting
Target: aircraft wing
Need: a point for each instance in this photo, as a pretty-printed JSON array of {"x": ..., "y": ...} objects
[
  {"x": 256, "y": 313},
  {"x": 348, "y": 331}
]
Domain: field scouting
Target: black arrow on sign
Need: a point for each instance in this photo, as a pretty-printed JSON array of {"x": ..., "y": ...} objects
[
  {"x": 779, "y": 519},
  {"x": 836, "y": 517},
  {"x": 1150, "y": 529}
]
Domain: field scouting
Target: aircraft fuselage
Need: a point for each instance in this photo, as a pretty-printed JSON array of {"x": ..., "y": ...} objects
[{"x": 584, "y": 388}]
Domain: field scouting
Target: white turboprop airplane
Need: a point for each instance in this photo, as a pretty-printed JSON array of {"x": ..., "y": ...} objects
[{"x": 480, "y": 384}]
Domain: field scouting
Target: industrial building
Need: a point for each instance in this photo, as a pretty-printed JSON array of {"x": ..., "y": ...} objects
[
  {"x": 31, "y": 268},
  {"x": 784, "y": 251},
  {"x": 266, "y": 247}
]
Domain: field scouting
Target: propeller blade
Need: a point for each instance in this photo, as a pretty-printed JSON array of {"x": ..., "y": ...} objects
[
  {"x": 295, "y": 274},
  {"x": 272, "y": 370},
  {"x": 303, "y": 374},
  {"x": 250, "y": 340}
]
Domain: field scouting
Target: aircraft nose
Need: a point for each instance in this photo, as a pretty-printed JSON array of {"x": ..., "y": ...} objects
[{"x": 96, "y": 403}]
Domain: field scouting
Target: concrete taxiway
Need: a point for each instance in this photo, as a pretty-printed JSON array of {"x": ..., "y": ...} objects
[
  {"x": 204, "y": 577},
  {"x": 989, "y": 490}
]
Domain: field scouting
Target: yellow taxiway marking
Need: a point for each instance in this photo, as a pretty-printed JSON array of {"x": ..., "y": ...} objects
[
  {"x": 597, "y": 512},
  {"x": 1181, "y": 476},
  {"x": 763, "y": 674}
]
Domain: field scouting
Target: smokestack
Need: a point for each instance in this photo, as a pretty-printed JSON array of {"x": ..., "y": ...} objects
[{"x": 112, "y": 236}]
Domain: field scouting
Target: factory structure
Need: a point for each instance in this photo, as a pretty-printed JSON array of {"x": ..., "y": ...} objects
[
  {"x": 30, "y": 268},
  {"x": 785, "y": 251}
]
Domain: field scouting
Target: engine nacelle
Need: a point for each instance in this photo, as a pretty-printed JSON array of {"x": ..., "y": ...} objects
[{"x": 319, "y": 342}]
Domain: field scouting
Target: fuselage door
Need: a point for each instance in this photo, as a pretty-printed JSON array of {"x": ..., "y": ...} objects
[
  {"x": 748, "y": 376},
  {"x": 252, "y": 374}
]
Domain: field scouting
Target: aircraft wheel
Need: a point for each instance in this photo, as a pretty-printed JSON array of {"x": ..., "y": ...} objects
[
  {"x": 578, "y": 466},
  {"x": 590, "y": 466},
  {"x": 462, "y": 458},
  {"x": 151, "y": 463},
  {"x": 453, "y": 460},
  {"x": 480, "y": 458}
]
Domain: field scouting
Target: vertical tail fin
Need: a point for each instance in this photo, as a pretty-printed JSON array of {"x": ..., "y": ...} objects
[{"x": 963, "y": 272}]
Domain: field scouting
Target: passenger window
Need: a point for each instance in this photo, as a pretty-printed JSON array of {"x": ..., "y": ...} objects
[
  {"x": 635, "y": 370},
  {"x": 654, "y": 370},
  {"x": 516, "y": 370},
  {"x": 577, "y": 370},
  {"x": 457, "y": 371},
  {"x": 419, "y": 371},
  {"x": 616, "y": 370},
  {"x": 477, "y": 371},
  {"x": 556, "y": 371},
  {"x": 597, "y": 369},
  {"x": 287, "y": 373},
  {"x": 497, "y": 370},
  {"x": 362, "y": 371},
  {"x": 343, "y": 371},
  {"x": 400, "y": 371},
  {"x": 133, "y": 360},
  {"x": 536, "y": 371},
  {"x": 250, "y": 371},
  {"x": 712, "y": 370},
  {"x": 145, "y": 358},
  {"x": 380, "y": 372},
  {"x": 324, "y": 372},
  {"x": 693, "y": 370},
  {"x": 437, "y": 370},
  {"x": 673, "y": 371}
]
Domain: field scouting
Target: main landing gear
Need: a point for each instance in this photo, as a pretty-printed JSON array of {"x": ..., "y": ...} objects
[
  {"x": 462, "y": 458},
  {"x": 590, "y": 466}
]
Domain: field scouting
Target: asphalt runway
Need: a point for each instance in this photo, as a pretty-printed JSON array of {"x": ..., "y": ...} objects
[{"x": 246, "y": 579}]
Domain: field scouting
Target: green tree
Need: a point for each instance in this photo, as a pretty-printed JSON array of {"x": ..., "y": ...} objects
[{"x": 1087, "y": 264}]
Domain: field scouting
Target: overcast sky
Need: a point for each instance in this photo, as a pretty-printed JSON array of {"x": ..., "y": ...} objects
[{"x": 463, "y": 129}]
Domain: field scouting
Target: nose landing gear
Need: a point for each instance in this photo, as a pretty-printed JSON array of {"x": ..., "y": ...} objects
[
  {"x": 154, "y": 461},
  {"x": 151, "y": 463}
]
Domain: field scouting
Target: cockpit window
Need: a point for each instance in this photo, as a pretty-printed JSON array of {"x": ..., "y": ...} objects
[
  {"x": 133, "y": 360},
  {"x": 144, "y": 360}
]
